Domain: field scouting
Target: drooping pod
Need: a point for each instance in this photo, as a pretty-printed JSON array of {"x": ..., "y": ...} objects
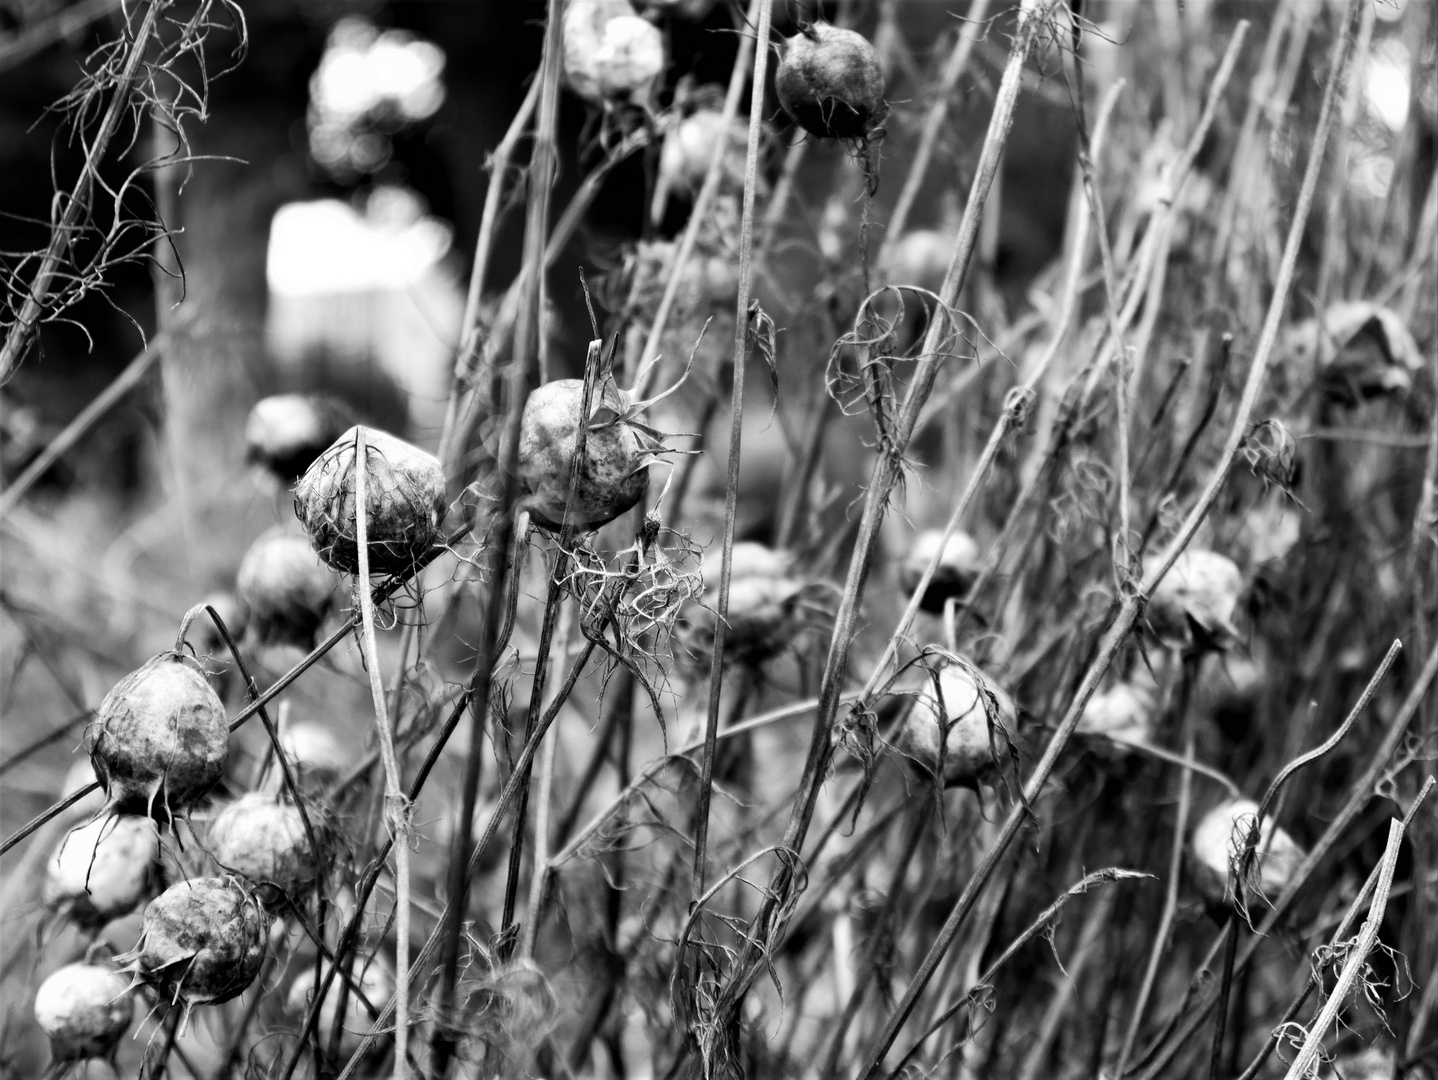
[
  {"x": 202, "y": 942},
  {"x": 103, "y": 869},
  {"x": 286, "y": 432},
  {"x": 957, "y": 570},
  {"x": 614, "y": 475},
  {"x": 84, "y": 1009},
  {"x": 1219, "y": 838},
  {"x": 957, "y": 723},
  {"x": 286, "y": 589},
  {"x": 1193, "y": 606},
  {"x": 159, "y": 740},
  {"x": 264, "y": 841},
  {"x": 829, "y": 80},
  {"x": 404, "y": 503}
]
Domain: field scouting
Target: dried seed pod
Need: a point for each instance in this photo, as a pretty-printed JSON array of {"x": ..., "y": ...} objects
[
  {"x": 264, "y": 840},
  {"x": 376, "y": 982},
  {"x": 830, "y": 82},
  {"x": 202, "y": 942},
  {"x": 286, "y": 432},
  {"x": 768, "y": 604},
  {"x": 609, "y": 51},
  {"x": 1219, "y": 838},
  {"x": 689, "y": 147},
  {"x": 957, "y": 570},
  {"x": 958, "y": 714},
  {"x": 1125, "y": 713},
  {"x": 159, "y": 739},
  {"x": 103, "y": 869},
  {"x": 614, "y": 475},
  {"x": 1194, "y": 604},
  {"x": 286, "y": 588},
  {"x": 84, "y": 1009},
  {"x": 404, "y": 503}
]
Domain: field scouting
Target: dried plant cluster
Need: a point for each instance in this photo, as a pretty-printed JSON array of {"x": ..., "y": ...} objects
[{"x": 1039, "y": 681}]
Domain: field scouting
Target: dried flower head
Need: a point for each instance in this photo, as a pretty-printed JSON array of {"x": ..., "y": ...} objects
[
  {"x": 202, "y": 942},
  {"x": 103, "y": 869},
  {"x": 285, "y": 587},
  {"x": 1194, "y": 604},
  {"x": 84, "y": 1009},
  {"x": 263, "y": 840},
  {"x": 829, "y": 80},
  {"x": 609, "y": 51},
  {"x": 957, "y": 722},
  {"x": 159, "y": 740},
  {"x": 404, "y": 504}
]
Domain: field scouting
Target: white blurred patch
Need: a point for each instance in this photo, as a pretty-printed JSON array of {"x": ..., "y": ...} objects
[{"x": 1386, "y": 83}]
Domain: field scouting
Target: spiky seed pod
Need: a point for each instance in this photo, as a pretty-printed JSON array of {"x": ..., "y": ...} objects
[
  {"x": 376, "y": 981},
  {"x": 404, "y": 502},
  {"x": 264, "y": 841},
  {"x": 286, "y": 588},
  {"x": 1125, "y": 713},
  {"x": 103, "y": 869},
  {"x": 202, "y": 942},
  {"x": 1219, "y": 838},
  {"x": 958, "y": 567},
  {"x": 159, "y": 739},
  {"x": 614, "y": 474},
  {"x": 609, "y": 51},
  {"x": 957, "y": 714},
  {"x": 285, "y": 433},
  {"x": 84, "y": 1009},
  {"x": 1194, "y": 604},
  {"x": 689, "y": 146},
  {"x": 829, "y": 80}
]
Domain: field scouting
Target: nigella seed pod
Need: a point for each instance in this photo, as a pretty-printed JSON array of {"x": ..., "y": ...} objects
[
  {"x": 202, "y": 942},
  {"x": 264, "y": 841},
  {"x": 614, "y": 475},
  {"x": 830, "y": 82},
  {"x": 1125, "y": 713},
  {"x": 286, "y": 432},
  {"x": 404, "y": 504},
  {"x": 286, "y": 589},
  {"x": 689, "y": 147},
  {"x": 84, "y": 1009},
  {"x": 103, "y": 869},
  {"x": 1194, "y": 604},
  {"x": 966, "y": 714},
  {"x": 1219, "y": 839},
  {"x": 957, "y": 570},
  {"x": 609, "y": 51},
  {"x": 159, "y": 739}
]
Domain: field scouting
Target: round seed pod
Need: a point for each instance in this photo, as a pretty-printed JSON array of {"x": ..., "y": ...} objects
[
  {"x": 957, "y": 570},
  {"x": 689, "y": 145},
  {"x": 84, "y": 1009},
  {"x": 159, "y": 739},
  {"x": 766, "y": 601},
  {"x": 404, "y": 503},
  {"x": 958, "y": 712},
  {"x": 202, "y": 942},
  {"x": 377, "y": 984},
  {"x": 613, "y": 476},
  {"x": 609, "y": 51},
  {"x": 1124, "y": 713},
  {"x": 1194, "y": 604},
  {"x": 830, "y": 82},
  {"x": 264, "y": 841},
  {"x": 285, "y": 433},
  {"x": 286, "y": 588},
  {"x": 103, "y": 869},
  {"x": 1218, "y": 839}
]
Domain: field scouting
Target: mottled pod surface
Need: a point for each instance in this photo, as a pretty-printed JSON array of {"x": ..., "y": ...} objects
[
  {"x": 948, "y": 731},
  {"x": 159, "y": 739},
  {"x": 84, "y": 1009},
  {"x": 404, "y": 503},
  {"x": 830, "y": 82},
  {"x": 264, "y": 840},
  {"x": 613, "y": 475}
]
